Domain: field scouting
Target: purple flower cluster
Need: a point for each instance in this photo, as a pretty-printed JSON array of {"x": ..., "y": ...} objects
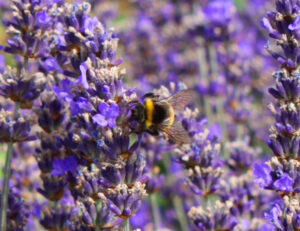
[
  {"x": 69, "y": 114},
  {"x": 77, "y": 106},
  {"x": 218, "y": 218},
  {"x": 17, "y": 212},
  {"x": 203, "y": 164},
  {"x": 282, "y": 173}
]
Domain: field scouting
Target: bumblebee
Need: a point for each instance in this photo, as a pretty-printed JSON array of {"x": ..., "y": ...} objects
[{"x": 155, "y": 115}]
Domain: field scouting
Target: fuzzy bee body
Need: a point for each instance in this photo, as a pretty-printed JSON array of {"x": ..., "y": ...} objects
[
  {"x": 158, "y": 112},
  {"x": 154, "y": 115}
]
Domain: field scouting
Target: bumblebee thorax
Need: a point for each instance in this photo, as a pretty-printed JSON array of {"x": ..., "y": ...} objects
[{"x": 157, "y": 112}]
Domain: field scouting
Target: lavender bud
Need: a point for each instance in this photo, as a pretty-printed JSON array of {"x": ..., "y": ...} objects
[
  {"x": 17, "y": 212},
  {"x": 21, "y": 88},
  {"x": 218, "y": 218}
]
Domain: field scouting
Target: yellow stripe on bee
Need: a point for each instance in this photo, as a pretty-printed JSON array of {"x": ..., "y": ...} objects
[
  {"x": 171, "y": 115},
  {"x": 150, "y": 109}
]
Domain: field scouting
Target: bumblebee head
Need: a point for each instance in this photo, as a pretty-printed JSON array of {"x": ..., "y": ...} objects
[{"x": 137, "y": 116}]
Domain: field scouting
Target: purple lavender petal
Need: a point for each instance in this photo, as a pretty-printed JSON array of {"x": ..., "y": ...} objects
[
  {"x": 285, "y": 183},
  {"x": 100, "y": 120},
  {"x": 262, "y": 174}
]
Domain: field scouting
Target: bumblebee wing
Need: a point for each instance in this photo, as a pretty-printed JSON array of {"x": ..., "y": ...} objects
[
  {"x": 177, "y": 132},
  {"x": 180, "y": 99}
]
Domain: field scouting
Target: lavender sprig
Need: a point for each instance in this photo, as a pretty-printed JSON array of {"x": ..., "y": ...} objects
[
  {"x": 282, "y": 172},
  {"x": 94, "y": 160},
  {"x": 17, "y": 212},
  {"x": 27, "y": 39}
]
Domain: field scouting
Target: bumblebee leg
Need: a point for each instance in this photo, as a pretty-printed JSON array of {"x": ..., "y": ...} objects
[{"x": 153, "y": 131}]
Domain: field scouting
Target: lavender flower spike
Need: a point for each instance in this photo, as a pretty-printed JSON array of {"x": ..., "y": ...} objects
[
  {"x": 282, "y": 172},
  {"x": 217, "y": 218}
]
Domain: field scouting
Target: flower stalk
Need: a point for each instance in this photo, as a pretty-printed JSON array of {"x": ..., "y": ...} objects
[
  {"x": 180, "y": 212},
  {"x": 7, "y": 169},
  {"x": 127, "y": 225},
  {"x": 155, "y": 211},
  {"x": 282, "y": 172}
]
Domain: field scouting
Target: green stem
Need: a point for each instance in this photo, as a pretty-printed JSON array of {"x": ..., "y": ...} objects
[
  {"x": 213, "y": 62},
  {"x": 55, "y": 205},
  {"x": 209, "y": 200},
  {"x": 180, "y": 213},
  {"x": 214, "y": 75},
  {"x": 202, "y": 62},
  {"x": 208, "y": 110},
  {"x": 127, "y": 225},
  {"x": 17, "y": 107},
  {"x": 155, "y": 211},
  {"x": 240, "y": 131},
  {"x": 7, "y": 169},
  {"x": 176, "y": 200},
  {"x": 203, "y": 71},
  {"x": 98, "y": 218},
  {"x": 24, "y": 66},
  {"x": 286, "y": 207},
  {"x": 222, "y": 120},
  {"x": 205, "y": 201}
]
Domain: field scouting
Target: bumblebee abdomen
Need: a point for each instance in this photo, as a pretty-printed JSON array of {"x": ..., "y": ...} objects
[{"x": 160, "y": 113}]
